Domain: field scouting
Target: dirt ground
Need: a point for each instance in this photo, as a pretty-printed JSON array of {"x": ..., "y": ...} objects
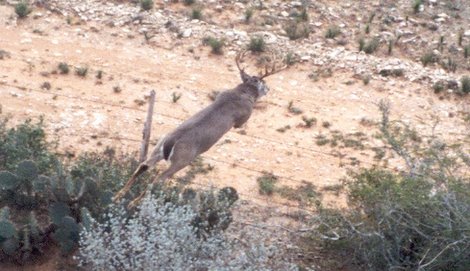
[{"x": 88, "y": 114}]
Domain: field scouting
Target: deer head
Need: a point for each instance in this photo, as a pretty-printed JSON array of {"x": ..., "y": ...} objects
[{"x": 257, "y": 82}]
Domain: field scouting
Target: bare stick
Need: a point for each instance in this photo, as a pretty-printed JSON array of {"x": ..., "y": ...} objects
[{"x": 147, "y": 129}]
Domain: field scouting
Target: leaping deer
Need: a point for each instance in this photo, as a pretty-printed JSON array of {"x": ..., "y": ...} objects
[{"x": 231, "y": 108}]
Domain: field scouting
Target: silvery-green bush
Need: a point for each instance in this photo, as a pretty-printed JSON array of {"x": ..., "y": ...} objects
[{"x": 160, "y": 236}]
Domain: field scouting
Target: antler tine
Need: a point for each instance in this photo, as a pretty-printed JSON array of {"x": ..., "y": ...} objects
[
  {"x": 238, "y": 58},
  {"x": 273, "y": 69}
]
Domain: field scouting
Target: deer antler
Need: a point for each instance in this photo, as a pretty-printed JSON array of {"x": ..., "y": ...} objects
[
  {"x": 238, "y": 59},
  {"x": 272, "y": 70}
]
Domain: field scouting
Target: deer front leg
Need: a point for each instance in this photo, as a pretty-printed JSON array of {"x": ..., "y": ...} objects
[{"x": 121, "y": 193}]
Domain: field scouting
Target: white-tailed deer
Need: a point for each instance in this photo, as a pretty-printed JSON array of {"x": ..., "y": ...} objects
[{"x": 231, "y": 108}]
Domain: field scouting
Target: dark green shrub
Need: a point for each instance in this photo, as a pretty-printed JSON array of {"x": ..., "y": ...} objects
[
  {"x": 81, "y": 71},
  {"x": 26, "y": 141},
  {"x": 439, "y": 86},
  {"x": 267, "y": 183},
  {"x": 257, "y": 44},
  {"x": 429, "y": 58},
  {"x": 189, "y": 2},
  {"x": 466, "y": 51},
  {"x": 63, "y": 68},
  {"x": 417, "y": 5},
  {"x": 146, "y": 4},
  {"x": 196, "y": 13},
  {"x": 216, "y": 44},
  {"x": 465, "y": 84},
  {"x": 22, "y": 9},
  {"x": 332, "y": 32}
]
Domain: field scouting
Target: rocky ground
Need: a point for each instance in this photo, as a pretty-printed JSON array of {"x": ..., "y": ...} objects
[{"x": 163, "y": 49}]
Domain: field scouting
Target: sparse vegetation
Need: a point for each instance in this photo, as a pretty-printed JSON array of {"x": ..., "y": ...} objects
[
  {"x": 390, "y": 47},
  {"x": 466, "y": 51},
  {"x": 22, "y": 9},
  {"x": 465, "y": 84},
  {"x": 371, "y": 46},
  {"x": 309, "y": 122},
  {"x": 99, "y": 74},
  {"x": 290, "y": 58},
  {"x": 417, "y": 5},
  {"x": 196, "y": 13},
  {"x": 215, "y": 44},
  {"x": 362, "y": 43},
  {"x": 438, "y": 87},
  {"x": 248, "y": 14},
  {"x": 296, "y": 30},
  {"x": 267, "y": 183},
  {"x": 189, "y": 2},
  {"x": 257, "y": 44},
  {"x": 63, "y": 68},
  {"x": 429, "y": 58},
  {"x": 292, "y": 109},
  {"x": 449, "y": 65},
  {"x": 175, "y": 97},
  {"x": 366, "y": 79},
  {"x": 332, "y": 32},
  {"x": 81, "y": 71},
  {"x": 146, "y": 4}
]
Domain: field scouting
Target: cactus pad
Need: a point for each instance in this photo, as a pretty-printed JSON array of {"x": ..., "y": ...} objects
[{"x": 8, "y": 181}]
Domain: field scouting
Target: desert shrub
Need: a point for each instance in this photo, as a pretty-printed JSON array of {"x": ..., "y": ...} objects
[
  {"x": 189, "y": 2},
  {"x": 429, "y": 58},
  {"x": 267, "y": 183},
  {"x": 439, "y": 86},
  {"x": 81, "y": 71},
  {"x": 417, "y": 5},
  {"x": 257, "y": 44},
  {"x": 63, "y": 68},
  {"x": 161, "y": 236},
  {"x": 248, "y": 14},
  {"x": 466, "y": 51},
  {"x": 371, "y": 46},
  {"x": 146, "y": 4},
  {"x": 22, "y": 9},
  {"x": 296, "y": 30},
  {"x": 26, "y": 141},
  {"x": 332, "y": 32},
  {"x": 196, "y": 13},
  {"x": 215, "y": 44},
  {"x": 415, "y": 220},
  {"x": 465, "y": 84}
]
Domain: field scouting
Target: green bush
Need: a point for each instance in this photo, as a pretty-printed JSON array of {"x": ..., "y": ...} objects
[
  {"x": 371, "y": 46},
  {"x": 332, "y": 32},
  {"x": 26, "y": 141},
  {"x": 22, "y": 9},
  {"x": 465, "y": 84},
  {"x": 296, "y": 30},
  {"x": 63, "y": 68},
  {"x": 257, "y": 44},
  {"x": 216, "y": 44},
  {"x": 146, "y": 4},
  {"x": 413, "y": 220}
]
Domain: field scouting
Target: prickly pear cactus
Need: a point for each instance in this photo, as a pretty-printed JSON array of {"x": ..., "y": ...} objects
[
  {"x": 67, "y": 235},
  {"x": 9, "y": 242}
]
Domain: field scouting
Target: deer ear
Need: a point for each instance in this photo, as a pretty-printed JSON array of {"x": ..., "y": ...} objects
[{"x": 245, "y": 77}]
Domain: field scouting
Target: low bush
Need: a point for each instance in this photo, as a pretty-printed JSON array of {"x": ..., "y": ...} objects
[
  {"x": 161, "y": 236},
  {"x": 414, "y": 220}
]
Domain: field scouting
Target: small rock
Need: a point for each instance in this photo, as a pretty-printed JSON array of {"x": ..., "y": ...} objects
[
  {"x": 284, "y": 14},
  {"x": 187, "y": 33}
]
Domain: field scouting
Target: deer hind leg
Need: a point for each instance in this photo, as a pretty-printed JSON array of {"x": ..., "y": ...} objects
[
  {"x": 180, "y": 157},
  {"x": 155, "y": 157}
]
